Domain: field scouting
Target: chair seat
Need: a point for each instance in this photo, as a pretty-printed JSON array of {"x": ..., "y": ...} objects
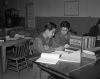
[
  {"x": 33, "y": 56},
  {"x": 12, "y": 56}
]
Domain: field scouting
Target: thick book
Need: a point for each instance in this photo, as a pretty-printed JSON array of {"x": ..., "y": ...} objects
[
  {"x": 73, "y": 49},
  {"x": 93, "y": 50},
  {"x": 93, "y": 53},
  {"x": 89, "y": 56}
]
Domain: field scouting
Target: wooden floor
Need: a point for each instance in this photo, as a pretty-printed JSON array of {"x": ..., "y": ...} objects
[{"x": 24, "y": 74}]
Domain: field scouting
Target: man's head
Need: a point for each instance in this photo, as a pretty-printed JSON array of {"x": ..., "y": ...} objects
[
  {"x": 9, "y": 20},
  {"x": 98, "y": 23},
  {"x": 50, "y": 29},
  {"x": 65, "y": 27}
]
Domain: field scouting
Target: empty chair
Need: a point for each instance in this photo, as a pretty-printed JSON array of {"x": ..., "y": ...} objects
[{"x": 16, "y": 60}]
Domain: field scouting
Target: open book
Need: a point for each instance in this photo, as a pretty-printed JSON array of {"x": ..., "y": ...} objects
[
  {"x": 49, "y": 58},
  {"x": 71, "y": 57},
  {"x": 54, "y": 57}
]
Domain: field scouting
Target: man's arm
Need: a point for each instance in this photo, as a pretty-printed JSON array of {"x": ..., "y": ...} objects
[{"x": 38, "y": 44}]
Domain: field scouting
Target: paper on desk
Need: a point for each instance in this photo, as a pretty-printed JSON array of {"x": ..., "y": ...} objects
[
  {"x": 58, "y": 52},
  {"x": 71, "y": 57},
  {"x": 9, "y": 38},
  {"x": 1, "y": 41},
  {"x": 48, "y": 58},
  {"x": 27, "y": 38},
  {"x": 19, "y": 36}
]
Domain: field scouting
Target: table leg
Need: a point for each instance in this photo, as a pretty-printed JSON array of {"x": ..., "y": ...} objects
[
  {"x": 3, "y": 60},
  {"x": 36, "y": 72},
  {"x": 33, "y": 69}
]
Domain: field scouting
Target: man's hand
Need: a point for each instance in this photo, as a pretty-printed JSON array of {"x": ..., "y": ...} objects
[
  {"x": 66, "y": 46},
  {"x": 46, "y": 47},
  {"x": 61, "y": 48}
]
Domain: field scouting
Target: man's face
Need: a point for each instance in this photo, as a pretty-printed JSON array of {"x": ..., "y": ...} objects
[
  {"x": 51, "y": 33},
  {"x": 64, "y": 30},
  {"x": 9, "y": 21},
  {"x": 99, "y": 25}
]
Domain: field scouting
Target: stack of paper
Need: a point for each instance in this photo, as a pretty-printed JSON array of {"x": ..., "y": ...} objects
[
  {"x": 88, "y": 56},
  {"x": 93, "y": 53},
  {"x": 49, "y": 58}
]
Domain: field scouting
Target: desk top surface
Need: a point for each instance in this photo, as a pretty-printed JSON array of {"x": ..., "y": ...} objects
[
  {"x": 84, "y": 70},
  {"x": 12, "y": 42}
]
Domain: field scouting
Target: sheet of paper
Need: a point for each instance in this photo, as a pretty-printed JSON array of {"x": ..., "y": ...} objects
[
  {"x": 1, "y": 41},
  {"x": 48, "y": 58},
  {"x": 19, "y": 36},
  {"x": 9, "y": 38},
  {"x": 58, "y": 52},
  {"x": 27, "y": 38},
  {"x": 71, "y": 57}
]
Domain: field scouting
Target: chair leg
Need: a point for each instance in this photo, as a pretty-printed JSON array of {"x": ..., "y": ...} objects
[
  {"x": 7, "y": 64},
  {"x": 26, "y": 61},
  {"x": 33, "y": 69},
  {"x": 17, "y": 68}
]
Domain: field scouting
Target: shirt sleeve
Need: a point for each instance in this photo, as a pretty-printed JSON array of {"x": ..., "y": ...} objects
[
  {"x": 57, "y": 39},
  {"x": 40, "y": 47}
]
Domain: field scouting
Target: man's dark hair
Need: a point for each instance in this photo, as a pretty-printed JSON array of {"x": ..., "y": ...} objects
[
  {"x": 65, "y": 24},
  {"x": 98, "y": 22},
  {"x": 50, "y": 26}
]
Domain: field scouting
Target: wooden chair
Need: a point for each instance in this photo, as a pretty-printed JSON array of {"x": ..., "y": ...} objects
[
  {"x": 32, "y": 56},
  {"x": 17, "y": 58}
]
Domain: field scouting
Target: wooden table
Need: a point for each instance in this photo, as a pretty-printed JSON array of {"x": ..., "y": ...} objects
[
  {"x": 84, "y": 70},
  {"x": 4, "y": 45}
]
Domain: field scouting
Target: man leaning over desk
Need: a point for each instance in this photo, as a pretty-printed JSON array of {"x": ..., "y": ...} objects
[
  {"x": 43, "y": 44},
  {"x": 63, "y": 35}
]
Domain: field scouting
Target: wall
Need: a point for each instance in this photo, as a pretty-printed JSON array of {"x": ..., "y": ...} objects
[
  {"x": 56, "y": 8},
  {"x": 53, "y": 10}
]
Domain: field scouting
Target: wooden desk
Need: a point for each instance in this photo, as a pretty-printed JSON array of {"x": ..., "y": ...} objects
[
  {"x": 4, "y": 45},
  {"x": 84, "y": 70}
]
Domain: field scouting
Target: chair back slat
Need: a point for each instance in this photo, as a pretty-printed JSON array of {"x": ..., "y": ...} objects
[{"x": 22, "y": 49}]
